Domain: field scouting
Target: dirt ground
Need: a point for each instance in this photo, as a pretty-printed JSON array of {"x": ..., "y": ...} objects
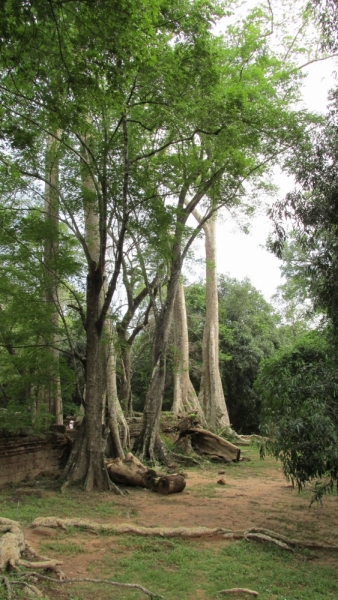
[{"x": 254, "y": 495}]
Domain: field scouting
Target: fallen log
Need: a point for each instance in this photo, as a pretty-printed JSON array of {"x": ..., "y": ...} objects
[
  {"x": 130, "y": 471},
  {"x": 168, "y": 484},
  {"x": 210, "y": 445}
]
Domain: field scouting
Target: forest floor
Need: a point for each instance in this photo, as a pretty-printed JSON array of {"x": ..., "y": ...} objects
[{"x": 256, "y": 494}]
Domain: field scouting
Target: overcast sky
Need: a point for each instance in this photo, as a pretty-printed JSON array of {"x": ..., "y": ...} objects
[{"x": 243, "y": 255}]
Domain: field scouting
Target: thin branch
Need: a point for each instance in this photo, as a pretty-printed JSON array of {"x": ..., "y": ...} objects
[{"x": 310, "y": 62}]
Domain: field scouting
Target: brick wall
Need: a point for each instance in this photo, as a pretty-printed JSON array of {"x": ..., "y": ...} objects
[{"x": 25, "y": 457}]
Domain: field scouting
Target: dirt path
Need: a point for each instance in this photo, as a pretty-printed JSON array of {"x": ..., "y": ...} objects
[{"x": 256, "y": 494}]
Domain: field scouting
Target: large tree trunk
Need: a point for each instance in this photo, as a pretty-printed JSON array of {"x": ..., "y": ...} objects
[
  {"x": 52, "y": 392},
  {"x": 86, "y": 461},
  {"x": 211, "y": 394},
  {"x": 87, "y": 457},
  {"x": 185, "y": 397}
]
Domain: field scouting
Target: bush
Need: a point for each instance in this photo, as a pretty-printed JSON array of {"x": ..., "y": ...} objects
[{"x": 299, "y": 386}]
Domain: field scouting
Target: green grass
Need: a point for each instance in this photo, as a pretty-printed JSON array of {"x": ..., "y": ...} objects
[
  {"x": 62, "y": 548},
  {"x": 180, "y": 569},
  {"x": 74, "y": 503},
  {"x": 177, "y": 569}
]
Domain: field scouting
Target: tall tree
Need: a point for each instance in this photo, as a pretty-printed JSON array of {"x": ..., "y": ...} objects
[
  {"x": 159, "y": 111},
  {"x": 113, "y": 99},
  {"x": 211, "y": 394},
  {"x": 185, "y": 398}
]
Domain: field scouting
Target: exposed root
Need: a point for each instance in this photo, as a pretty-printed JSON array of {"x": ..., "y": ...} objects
[
  {"x": 289, "y": 541},
  {"x": 253, "y": 534},
  {"x": 13, "y": 545},
  {"x": 6, "y": 583},
  {"x": 239, "y": 591},
  {"x": 30, "y": 587},
  {"x": 47, "y": 565},
  {"x": 133, "y": 586},
  {"x": 261, "y": 537},
  {"x": 183, "y": 532}
]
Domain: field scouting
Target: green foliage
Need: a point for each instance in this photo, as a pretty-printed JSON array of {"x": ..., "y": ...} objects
[
  {"x": 247, "y": 334},
  {"x": 298, "y": 386},
  {"x": 26, "y": 325},
  {"x": 312, "y": 210},
  {"x": 156, "y": 110}
]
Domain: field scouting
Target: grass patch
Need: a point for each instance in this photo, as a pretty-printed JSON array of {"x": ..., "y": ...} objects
[
  {"x": 62, "y": 548},
  {"x": 180, "y": 569},
  {"x": 74, "y": 502}
]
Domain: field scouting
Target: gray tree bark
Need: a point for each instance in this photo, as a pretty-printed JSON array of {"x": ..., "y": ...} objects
[
  {"x": 211, "y": 394},
  {"x": 87, "y": 458},
  {"x": 185, "y": 397}
]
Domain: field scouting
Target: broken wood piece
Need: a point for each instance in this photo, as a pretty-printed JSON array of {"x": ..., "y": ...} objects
[{"x": 239, "y": 591}]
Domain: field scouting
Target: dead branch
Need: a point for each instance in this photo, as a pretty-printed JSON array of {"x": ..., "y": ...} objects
[
  {"x": 239, "y": 591},
  {"x": 133, "y": 586}
]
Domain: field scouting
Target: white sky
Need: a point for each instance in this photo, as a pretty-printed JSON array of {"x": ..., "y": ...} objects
[{"x": 243, "y": 255}]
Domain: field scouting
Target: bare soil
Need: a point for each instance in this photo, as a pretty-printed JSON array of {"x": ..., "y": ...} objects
[{"x": 254, "y": 495}]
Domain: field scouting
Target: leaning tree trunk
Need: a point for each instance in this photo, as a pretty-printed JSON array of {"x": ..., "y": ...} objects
[
  {"x": 185, "y": 397},
  {"x": 211, "y": 394},
  {"x": 52, "y": 390},
  {"x": 149, "y": 445}
]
